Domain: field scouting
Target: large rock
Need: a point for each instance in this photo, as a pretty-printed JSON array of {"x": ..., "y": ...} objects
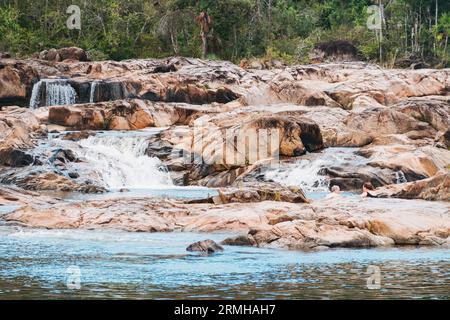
[
  {"x": 353, "y": 223},
  {"x": 117, "y": 115},
  {"x": 434, "y": 188},
  {"x": 15, "y": 158},
  {"x": 381, "y": 120},
  {"x": 256, "y": 192},
  {"x": 443, "y": 140},
  {"x": 351, "y": 178},
  {"x": 124, "y": 214},
  {"x": 40, "y": 180},
  {"x": 415, "y": 162},
  {"x": 57, "y": 55},
  {"x": 15, "y": 196},
  {"x": 18, "y": 130},
  {"x": 16, "y": 81},
  {"x": 434, "y": 110},
  {"x": 376, "y": 87},
  {"x": 221, "y": 147}
]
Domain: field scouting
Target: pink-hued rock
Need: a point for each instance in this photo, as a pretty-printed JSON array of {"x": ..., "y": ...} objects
[
  {"x": 415, "y": 162},
  {"x": 19, "y": 129},
  {"x": 342, "y": 222},
  {"x": 434, "y": 188}
]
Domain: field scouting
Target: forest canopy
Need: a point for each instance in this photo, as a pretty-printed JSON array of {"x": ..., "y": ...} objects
[{"x": 288, "y": 30}]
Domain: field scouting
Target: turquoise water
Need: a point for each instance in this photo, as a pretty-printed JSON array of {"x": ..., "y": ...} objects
[
  {"x": 7, "y": 208},
  {"x": 114, "y": 264},
  {"x": 169, "y": 192},
  {"x": 320, "y": 195}
]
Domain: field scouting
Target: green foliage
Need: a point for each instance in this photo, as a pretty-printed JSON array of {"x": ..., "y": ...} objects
[{"x": 274, "y": 29}]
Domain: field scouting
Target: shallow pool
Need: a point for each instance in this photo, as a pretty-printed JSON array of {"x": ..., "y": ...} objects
[{"x": 37, "y": 263}]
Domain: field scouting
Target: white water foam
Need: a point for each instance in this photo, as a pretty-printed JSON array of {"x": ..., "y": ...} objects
[
  {"x": 57, "y": 92},
  {"x": 400, "y": 177},
  {"x": 305, "y": 172},
  {"x": 36, "y": 95},
  {"x": 121, "y": 162},
  {"x": 94, "y": 85}
]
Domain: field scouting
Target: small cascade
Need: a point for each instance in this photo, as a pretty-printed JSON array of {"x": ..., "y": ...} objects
[
  {"x": 36, "y": 95},
  {"x": 400, "y": 177},
  {"x": 120, "y": 162},
  {"x": 307, "y": 172},
  {"x": 52, "y": 92},
  {"x": 94, "y": 86}
]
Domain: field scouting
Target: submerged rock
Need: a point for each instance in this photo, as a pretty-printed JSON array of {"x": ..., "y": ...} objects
[{"x": 207, "y": 246}]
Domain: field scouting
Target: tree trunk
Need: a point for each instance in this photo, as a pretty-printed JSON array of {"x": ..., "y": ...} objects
[
  {"x": 435, "y": 26},
  {"x": 174, "y": 43},
  {"x": 204, "y": 44},
  {"x": 444, "y": 59},
  {"x": 381, "y": 31}
]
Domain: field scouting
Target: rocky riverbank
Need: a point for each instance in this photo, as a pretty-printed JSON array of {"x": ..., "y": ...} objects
[
  {"x": 347, "y": 222},
  {"x": 99, "y": 127}
]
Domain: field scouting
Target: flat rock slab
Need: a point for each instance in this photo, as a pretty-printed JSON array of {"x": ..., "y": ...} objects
[{"x": 344, "y": 222}]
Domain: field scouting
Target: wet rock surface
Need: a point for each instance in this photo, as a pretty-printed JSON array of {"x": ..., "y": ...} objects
[{"x": 206, "y": 246}]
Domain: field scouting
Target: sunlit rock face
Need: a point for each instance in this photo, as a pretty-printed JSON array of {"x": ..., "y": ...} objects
[
  {"x": 434, "y": 188},
  {"x": 19, "y": 130}
]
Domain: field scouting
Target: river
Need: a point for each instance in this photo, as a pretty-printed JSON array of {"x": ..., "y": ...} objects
[{"x": 39, "y": 263}]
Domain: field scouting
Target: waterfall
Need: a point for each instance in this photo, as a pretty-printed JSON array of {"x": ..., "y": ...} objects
[
  {"x": 120, "y": 162},
  {"x": 36, "y": 95},
  {"x": 57, "y": 92},
  {"x": 94, "y": 85},
  {"x": 304, "y": 173},
  {"x": 307, "y": 172},
  {"x": 400, "y": 177}
]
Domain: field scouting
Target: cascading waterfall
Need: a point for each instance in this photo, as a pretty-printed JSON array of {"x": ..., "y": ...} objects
[
  {"x": 94, "y": 86},
  {"x": 36, "y": 95},
  {"x": 400, "y": 177},
  {"x": 57, "y": 92},
  {"x": 306, "y": 173},
  {"x": 120, "y": 162}
]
